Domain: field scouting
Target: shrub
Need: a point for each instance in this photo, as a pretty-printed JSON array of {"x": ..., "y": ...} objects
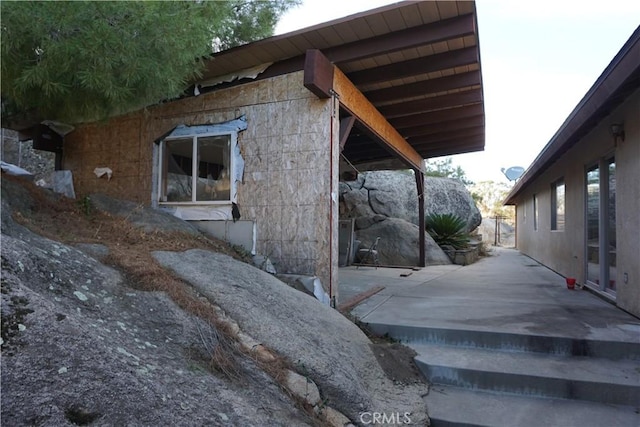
[{"x": 447, "y": 230}]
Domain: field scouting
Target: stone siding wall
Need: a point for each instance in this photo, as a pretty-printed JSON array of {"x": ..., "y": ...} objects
[
  {"x": 287, "y": 151},
  {"x": 21, "y": 153}
]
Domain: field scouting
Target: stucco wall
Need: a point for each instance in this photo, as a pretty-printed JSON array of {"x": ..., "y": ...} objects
[
  {"x": 564, "y": 251},
  {"x": 287, "y": 151},
  {"x": 628, "y": 208}
]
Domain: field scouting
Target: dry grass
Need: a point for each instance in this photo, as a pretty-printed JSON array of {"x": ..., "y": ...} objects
[{"x": 130, "y": 249}]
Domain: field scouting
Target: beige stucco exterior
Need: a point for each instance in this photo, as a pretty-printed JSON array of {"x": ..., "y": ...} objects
[
  {"x": 565, "y": 251},
  {"x": 290, "y": 174}
]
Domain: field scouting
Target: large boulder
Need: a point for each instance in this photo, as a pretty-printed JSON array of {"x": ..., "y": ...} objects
[
  {"x": 385, "y": 204},
  {"x": 506, "y": 234},
  {"x": 82, "y": 347},
  {"x": 450, "y": 196},
  {"x": 319, "y": 341},
  {"x": 394, "y": 195},
  {"x": 141, "y": 216},
  {"x": 399, "y": 242}
]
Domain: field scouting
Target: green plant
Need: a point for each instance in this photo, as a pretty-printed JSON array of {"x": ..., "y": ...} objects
[
  {"x": 447, "y": 230},
  {"x": 85, "y": 205},
  {"x": 443, "y": 168},
  {"x": 88, "y": 60}
]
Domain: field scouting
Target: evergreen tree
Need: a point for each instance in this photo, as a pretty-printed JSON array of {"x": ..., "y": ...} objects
[
  {"x": 443, "y": 168},
  {"x": 78, "y": 61}
]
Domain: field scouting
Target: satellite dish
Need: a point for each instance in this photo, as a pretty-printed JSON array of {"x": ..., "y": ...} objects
[{"x": 513, "y": 173}]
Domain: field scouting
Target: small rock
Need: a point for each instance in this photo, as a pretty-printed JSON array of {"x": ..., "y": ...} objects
[
  {"x": 303, "y": 388},
  {"x": 334, "y": 418},
  {"x": 233, "y": 326},
  {"x": 263, "y": 354},
  {"x": 62, "y": 370},
  {"x": 80, "y": 296},
  {"x": 21, "y": 327},
  {"x": 247, "y": 342}
]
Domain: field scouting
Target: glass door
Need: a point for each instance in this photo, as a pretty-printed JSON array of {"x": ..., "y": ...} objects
[
  {"x": 593, "y": 225},
  {"x": 610, "y": 284},
  {"x": 601, "y": 225}
]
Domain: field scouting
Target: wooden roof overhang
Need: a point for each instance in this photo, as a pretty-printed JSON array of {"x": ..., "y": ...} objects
[
  {"x": 619, "y": 80},
  {"x": 408, "y": 77}
]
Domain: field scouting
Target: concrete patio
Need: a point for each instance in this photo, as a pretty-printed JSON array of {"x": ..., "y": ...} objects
[{"x": 504, "y": 339}]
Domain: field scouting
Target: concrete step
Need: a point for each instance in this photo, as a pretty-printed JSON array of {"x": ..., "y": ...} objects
[
  {"x": 532, "y": 374},
  {"x": 506, "y": 341},
  {"x": 455, "y": 407}
]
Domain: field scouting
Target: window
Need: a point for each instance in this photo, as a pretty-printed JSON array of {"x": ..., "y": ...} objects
[
  {"x": 535, "y": 212},
  {"x": 200, "y": 162},
  {"x": 557, "y": 205}
]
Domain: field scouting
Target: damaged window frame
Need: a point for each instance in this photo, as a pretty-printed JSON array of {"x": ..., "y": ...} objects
[{"x": 163, "y": 168}]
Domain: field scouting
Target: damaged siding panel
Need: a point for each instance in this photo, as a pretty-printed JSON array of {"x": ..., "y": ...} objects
[
  {"x": 287, "y": 183},
  {"x": 286, "y": 186},
  {"x": 287, "y": 153}
]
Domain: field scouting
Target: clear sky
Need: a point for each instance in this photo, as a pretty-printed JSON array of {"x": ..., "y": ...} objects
[{"x": 538, "y": 59}]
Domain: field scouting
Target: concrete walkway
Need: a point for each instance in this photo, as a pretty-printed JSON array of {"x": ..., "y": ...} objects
[
  {"x": 507, "y": 334},
  {"x": 506, "y": 292}
]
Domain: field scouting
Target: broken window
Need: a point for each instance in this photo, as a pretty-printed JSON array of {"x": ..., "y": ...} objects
[{"x": 200, "y": 162}]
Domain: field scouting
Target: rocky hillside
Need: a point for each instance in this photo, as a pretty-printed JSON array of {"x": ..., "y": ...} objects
[{"x": 113, "y": 314}]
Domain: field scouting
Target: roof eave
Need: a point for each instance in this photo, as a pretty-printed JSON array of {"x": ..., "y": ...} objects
[{"x": 623, "y": 68}]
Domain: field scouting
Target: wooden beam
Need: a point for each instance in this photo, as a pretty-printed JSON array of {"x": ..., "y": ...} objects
[
  {"x": 454, "y": 136},
  {"x": 473, "y": 96},
  {"x": 348, "y": 305},
  {"x": 451, "y": 152},
  {"x": 440, "y": 31},
  {"x": 318, "y": 74},
  {"x": 375, "y": 152},
  {"x": 346, "y": 124},
  {"x": 453, "y": 144},
  {"x": 414, "y": 67},
  {"x": 437, "y": 116},
  {"x": 470, "y": 122},
  {"x": 447, "y": 29},
  {"x": 384, "y": 164},
  {"x": 442, "y": 84},
  {"x": 352, "y": 100}
]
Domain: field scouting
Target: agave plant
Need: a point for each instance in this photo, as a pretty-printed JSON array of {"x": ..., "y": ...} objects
[{"x": 447, "y": 230}]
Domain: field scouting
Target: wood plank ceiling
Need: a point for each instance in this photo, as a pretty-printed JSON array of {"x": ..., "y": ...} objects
[{"x": 418, "y": 63}]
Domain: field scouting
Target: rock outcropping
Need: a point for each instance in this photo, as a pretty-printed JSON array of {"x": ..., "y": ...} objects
[
  {"x": 399, "y": 242},
  {"x": 320, "y": 342},
  {"x": 81, "y": 344},
  {"x": 385, "y": 204}
]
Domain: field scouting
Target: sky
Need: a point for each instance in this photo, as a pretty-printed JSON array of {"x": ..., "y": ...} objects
[{"x": 538, "y": 59}]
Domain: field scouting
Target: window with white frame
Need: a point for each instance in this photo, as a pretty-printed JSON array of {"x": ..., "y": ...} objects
[
  {"x": 197, "y": 168},
  {"x": 557, "y": 205}
]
